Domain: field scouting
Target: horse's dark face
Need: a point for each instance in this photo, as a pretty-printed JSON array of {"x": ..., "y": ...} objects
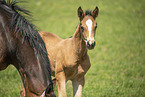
[{"x": 88, "y": 26}]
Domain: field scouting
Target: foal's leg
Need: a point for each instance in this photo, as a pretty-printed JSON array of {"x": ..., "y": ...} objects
[
  {"x": 79, "y": 81},
  {"x": 78, "y": 84},
  {"x": 60, "y": 81}
]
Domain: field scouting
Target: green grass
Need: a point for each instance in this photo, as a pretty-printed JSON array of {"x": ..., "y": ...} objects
[{"x": 118, "y": 60}]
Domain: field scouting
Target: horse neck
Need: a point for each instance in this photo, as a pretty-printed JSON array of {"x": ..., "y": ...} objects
[
  {"x": 32, "y": 70},
  {"x": 78, "y": 42},
  {"x": 31, "y": 67},
  {"x": 6, "y": 42}
]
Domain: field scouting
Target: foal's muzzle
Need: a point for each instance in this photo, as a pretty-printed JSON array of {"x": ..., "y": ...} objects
[{"x": 91, "y": 44}]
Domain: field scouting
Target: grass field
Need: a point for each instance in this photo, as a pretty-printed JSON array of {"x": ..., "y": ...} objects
[{"x": 118, "y": 60}]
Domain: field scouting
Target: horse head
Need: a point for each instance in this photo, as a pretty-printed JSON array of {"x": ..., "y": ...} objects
[{"x": 88, "y": 26}]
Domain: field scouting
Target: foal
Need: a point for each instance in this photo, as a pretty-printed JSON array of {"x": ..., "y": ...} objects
[{"x": 68, "y": 57}]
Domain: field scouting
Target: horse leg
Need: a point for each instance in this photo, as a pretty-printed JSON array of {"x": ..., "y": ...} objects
[
  {"x": 79, "y": 81},
  {"x": 60, "y": 81},
  {"x": 78, "y": 84}
]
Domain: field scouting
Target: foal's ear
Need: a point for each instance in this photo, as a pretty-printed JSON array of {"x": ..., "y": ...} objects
[
  {"x": 80, "y": 13},
  {"x": 95, "y": 12}
]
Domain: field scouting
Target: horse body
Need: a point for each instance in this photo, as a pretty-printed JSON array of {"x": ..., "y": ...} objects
[
  {"x": 26, "y": 51},
  {"x": 68, "y": 57},
  {"x": 71, "y": 51},
  {"x": 67, "y": 64}
]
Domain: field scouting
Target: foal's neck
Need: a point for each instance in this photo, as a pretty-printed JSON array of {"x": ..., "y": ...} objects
[{"x": 78, "y": 42}]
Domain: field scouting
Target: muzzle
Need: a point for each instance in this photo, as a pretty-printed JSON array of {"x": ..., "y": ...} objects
[{"x": 90, "y": 44}]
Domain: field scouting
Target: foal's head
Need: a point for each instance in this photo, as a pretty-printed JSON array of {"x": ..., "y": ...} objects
[{"x": 88, "y": 26}]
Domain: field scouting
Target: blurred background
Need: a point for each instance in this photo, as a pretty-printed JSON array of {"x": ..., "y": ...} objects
[{"x": 118, "y": 60}]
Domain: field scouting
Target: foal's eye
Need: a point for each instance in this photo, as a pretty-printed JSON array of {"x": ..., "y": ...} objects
[{"x": 82, "y": 28}]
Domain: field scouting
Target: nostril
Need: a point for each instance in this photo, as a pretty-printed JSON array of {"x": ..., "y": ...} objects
[
  {"x": 88, "y": 43},
  {"x": 94, "y": 43}
]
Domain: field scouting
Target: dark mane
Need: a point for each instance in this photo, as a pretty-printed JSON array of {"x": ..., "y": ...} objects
[
  {"x": 20, "y": 25},
  {"x": 88, "y": 12}
]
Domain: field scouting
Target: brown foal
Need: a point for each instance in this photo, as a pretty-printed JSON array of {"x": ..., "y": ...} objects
[{"x": 68, "y": 57}]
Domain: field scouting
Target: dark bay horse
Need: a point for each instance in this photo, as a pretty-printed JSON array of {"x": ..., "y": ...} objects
[
  {"x": 68, "y": 57},
  {"x": 22, "y": 46}
]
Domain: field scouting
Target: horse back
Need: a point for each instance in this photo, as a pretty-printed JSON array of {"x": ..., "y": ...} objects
[{"x": 49, "y": 38}]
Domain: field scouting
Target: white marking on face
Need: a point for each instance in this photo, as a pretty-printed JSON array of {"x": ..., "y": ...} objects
[{"x": 89, "y": 25}]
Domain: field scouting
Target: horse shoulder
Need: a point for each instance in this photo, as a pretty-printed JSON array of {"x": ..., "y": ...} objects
[
  {"x": 69, "y": 56},
  {"x": 51, "y": 40},
  {"x": 84, "y": 65}
]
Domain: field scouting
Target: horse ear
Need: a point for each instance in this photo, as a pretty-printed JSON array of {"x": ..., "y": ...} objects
[
  {"x": 80, "y": 13},
  {"x": 95, "y": 12}
]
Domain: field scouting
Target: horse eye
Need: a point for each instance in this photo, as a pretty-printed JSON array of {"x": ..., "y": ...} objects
[{"x": 82, "y": 28}]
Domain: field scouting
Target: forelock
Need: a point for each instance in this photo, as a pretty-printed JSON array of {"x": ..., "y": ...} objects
[{"x": 88, "y": 12}]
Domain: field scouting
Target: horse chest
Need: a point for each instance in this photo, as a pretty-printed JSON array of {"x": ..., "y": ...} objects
[
  {"x": 80, "y": 70},
  {"x": 73, "y": 71}
]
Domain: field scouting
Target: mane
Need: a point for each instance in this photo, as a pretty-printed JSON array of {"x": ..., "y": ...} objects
[
  {"x": 88, "y": 12},
  {"x": 19, "y": 23}
]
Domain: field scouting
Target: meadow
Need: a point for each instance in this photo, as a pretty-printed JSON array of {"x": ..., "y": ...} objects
[{"x": 118, "y": 60}]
